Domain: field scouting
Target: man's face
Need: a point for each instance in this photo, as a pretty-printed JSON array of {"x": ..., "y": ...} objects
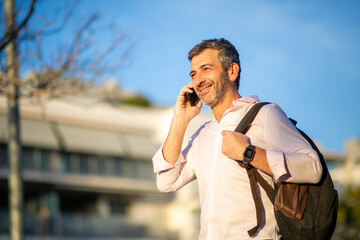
[{"x": 209, "y": 79}]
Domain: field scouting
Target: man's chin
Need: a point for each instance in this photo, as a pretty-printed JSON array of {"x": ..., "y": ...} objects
[{"x": 209, "y": 102}]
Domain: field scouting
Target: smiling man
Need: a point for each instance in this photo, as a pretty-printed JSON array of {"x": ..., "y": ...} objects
[{"x": 281, "y": 153}]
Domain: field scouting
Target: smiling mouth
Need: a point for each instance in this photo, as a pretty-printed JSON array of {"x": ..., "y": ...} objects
[{"x": 205, "y": 89}]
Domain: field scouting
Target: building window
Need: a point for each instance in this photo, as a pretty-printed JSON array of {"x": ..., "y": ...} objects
[
  {"x": 55, "y": 164},
  {"x": 118, "y": 208},
  {"x": 93, "y": 165},
  {"x": 143, "y": 169},
  {"x": 110, "y": 166},
  {"x": 37, "y": 159},
  {"x": 127, "y": 168},
  {"x": 84, "y": 166},
  {"x": 64, "y": 162},
  {"x": 101, "y": 170},
  {"x": 3, "y": 156},
  {"x": 45, "y": 160},
  {"x": 27, "y": 158},
  {"x": 74, "y": 163}
]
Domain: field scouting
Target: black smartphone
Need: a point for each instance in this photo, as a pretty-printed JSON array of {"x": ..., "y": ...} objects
[{"x": 192, "y": 97}]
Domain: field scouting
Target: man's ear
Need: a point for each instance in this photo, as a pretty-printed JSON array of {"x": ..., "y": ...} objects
[{"x": 233, "y": 71}]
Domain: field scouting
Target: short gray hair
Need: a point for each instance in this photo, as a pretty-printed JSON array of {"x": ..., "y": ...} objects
[{"x": 227, "y": 53}]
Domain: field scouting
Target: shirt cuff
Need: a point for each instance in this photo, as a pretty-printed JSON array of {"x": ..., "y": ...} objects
[
  {"x": 160, "y": 164},
  {"x": 277, "y": 164}
]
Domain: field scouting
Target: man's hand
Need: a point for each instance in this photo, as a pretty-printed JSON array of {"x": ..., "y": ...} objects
[
  {"x": 183, "y": 107},
  {"x": 183, "y": 113},
  {"x": 234, "y": 144}
]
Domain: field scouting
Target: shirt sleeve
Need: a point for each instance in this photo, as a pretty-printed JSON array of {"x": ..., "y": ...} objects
[
  {"x": 170, "y": 178},
  {"x": 290, "y": 157}
]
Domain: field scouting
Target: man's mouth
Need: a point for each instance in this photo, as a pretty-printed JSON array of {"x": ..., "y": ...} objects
[{"x": 204, "y": 89}]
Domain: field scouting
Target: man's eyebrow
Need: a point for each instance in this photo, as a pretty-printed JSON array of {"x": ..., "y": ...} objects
[
  {"x": 201, "y": 67},
  {"x": 206, "y": 64}
]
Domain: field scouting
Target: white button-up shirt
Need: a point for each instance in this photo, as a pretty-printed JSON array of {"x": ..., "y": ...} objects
[{"x": 227, "y": 205}]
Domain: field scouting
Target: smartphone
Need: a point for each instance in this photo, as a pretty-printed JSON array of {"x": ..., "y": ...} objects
[{"x": 192, "y": 97}]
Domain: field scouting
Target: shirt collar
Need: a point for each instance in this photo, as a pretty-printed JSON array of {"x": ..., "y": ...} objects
[
  {"x": 244, "y": 100},
  {"x": 241, "y": 102}
]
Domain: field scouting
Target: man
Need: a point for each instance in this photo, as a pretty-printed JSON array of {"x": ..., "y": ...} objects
[{"x": 281, "y": 153}]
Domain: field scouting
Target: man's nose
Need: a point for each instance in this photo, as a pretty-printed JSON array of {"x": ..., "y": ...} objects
[{"x": 198, "y": 79}]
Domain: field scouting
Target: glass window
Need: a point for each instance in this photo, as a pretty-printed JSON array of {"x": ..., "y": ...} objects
[
  {"x": 101, "y": 166},
  {"x": 93, "y": 162},
  {"x": 37, "y": 159},
  {"x": 110, "y": 166},
  {"x": 45, "y": 160},
  {"x": 64, "y": 163},
  {"x": 54, "y": 161},
  {"x": 84, "y": 166},
  {"x": 118, "y": 208},
  {"x": 27, "y": 158},
  {"x": 3, "y": 156},
  {"x": 74, "y": 163},
  {"x": 118, "y": 167},
  {"x": 143, "y": 169},
  {"x": 127, "y": 168}
]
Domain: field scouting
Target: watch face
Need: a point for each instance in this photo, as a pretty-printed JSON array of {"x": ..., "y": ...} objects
[{"x": 249, "y": 153}]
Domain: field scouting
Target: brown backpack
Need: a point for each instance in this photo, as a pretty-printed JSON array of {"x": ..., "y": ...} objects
[{"x": 302, "y": 211}]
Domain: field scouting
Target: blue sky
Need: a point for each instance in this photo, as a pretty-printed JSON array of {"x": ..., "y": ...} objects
[{"x": 302, "y": 55}]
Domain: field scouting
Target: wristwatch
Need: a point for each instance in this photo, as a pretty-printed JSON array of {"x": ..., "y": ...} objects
[{"x": 248, "y": 154}]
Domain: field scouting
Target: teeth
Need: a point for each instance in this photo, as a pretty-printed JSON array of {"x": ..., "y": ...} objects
[{"x": 205, "y": 88}]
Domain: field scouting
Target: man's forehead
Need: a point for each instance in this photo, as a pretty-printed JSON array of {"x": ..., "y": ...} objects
[{"x": 206, "y": 56}]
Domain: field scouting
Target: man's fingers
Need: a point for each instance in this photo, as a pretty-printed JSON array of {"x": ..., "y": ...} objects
[{"x": 225, "y": 132}]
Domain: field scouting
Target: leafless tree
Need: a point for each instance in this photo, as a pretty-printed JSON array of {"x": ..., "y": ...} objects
[
  {"x": 72, "y": 66},
  {"x": 22, "y": 49}
]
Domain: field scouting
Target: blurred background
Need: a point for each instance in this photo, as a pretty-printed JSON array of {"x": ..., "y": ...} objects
[{"x": 86, "y": 96}]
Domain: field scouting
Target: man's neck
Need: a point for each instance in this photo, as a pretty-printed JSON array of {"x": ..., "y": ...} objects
[{"x": 225, "y": 104}]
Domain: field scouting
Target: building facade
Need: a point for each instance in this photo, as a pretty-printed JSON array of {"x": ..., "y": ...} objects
[{"x": 87, "y": 172}]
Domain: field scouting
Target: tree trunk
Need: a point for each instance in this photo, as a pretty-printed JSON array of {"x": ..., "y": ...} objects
[{"x": 14, "y": 146}]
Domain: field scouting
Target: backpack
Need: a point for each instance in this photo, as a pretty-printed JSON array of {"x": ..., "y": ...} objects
[{"x": 302, "y": 211}]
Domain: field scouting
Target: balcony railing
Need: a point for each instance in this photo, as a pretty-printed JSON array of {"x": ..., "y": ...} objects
[
  {"x": 81, "y": 226},
  {"x": 55, "y": 161}
]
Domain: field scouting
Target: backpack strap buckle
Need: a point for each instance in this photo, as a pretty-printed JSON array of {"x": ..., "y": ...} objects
[{"x": 244, "y": 165}]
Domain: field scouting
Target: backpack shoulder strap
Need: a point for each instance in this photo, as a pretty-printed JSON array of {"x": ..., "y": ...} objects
[
  {"x": 253, "y": 175},
  {"x": 244, "y": 124}
]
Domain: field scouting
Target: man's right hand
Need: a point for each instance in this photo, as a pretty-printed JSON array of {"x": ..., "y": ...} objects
[
  {"x": 183, "y": 109},
  {"x": 183, "y": 113}
]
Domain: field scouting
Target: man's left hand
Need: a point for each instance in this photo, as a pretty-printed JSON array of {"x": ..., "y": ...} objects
[{"x": 234, "y": 144}]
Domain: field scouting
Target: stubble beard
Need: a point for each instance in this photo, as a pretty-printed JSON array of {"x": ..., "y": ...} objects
[{"x": 219, "y": 90}]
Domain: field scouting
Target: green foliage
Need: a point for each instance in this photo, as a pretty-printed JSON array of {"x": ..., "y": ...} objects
[
  {"x": 137, "y": 100},
  {"x": 133, "y": 100}
]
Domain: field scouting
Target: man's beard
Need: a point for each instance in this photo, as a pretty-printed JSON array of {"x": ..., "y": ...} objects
[{"x": 219, "y": 90}]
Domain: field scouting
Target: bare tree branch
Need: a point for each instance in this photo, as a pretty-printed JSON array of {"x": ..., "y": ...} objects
[
  {"x": 9, "y": 36},
  {"x": 71, "y": 68},
  {"x": 45, "y": 31}
]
